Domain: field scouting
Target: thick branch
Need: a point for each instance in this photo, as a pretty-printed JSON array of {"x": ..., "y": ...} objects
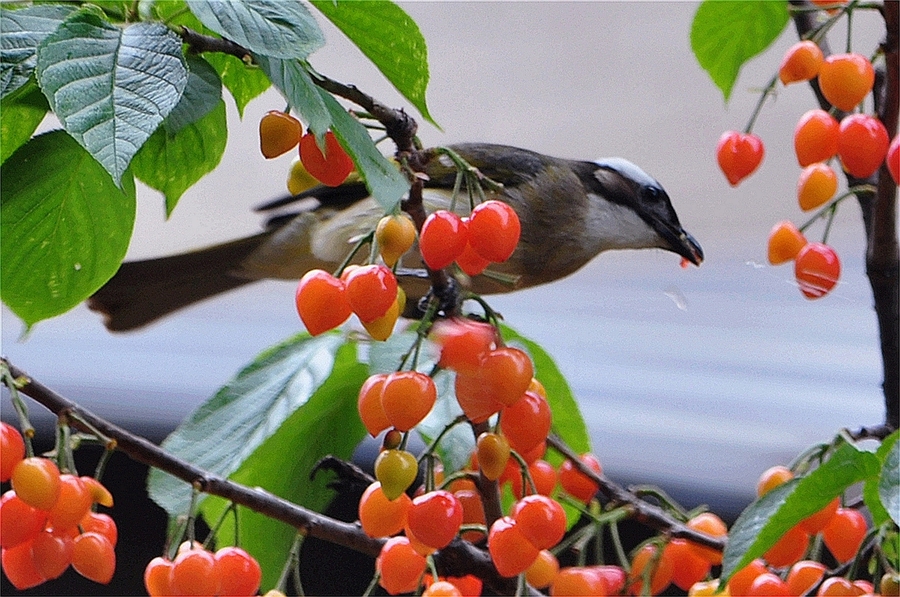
[
  {"x": 644, "y": 512},
  {"x": 458, "y": 559}
]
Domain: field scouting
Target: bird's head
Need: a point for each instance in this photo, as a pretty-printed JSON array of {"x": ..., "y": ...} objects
[{"x": 632, "y": 210}]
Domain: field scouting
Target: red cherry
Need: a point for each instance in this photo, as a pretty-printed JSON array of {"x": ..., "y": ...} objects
[
  {"x": 739, "y": 155},
  {"x": 494, "y": 230},
  {"x": 12, "y": 450},
  {"x": 333, "y": 167},
  {"x": 576, "y": 483},
  {"x": 463, "y": 342},
  {"x": 845, "y": 79},
  {"x": 371, "y": 290},
  {"x": 816, "y": 137},
  {"x": 435, "y": 517},
  {"x": 893, "y": 159},
  {"x": 540, "y": 519},
  {"x": 817, "y": 269},
  {"x": 801, "y": 62},
  {"x": 442, "y": 239},
  {"x": 239, "y": 572},
  {"x": 862, "y": 144},
  {"x": 321, "y": 302},
  {"x": 511, "y": 552},
  {"x": 844, "y": 533}
]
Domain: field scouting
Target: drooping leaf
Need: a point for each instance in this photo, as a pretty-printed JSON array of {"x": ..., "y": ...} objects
[
  {"x": 277, "y": 28},
  {"x": 388, "y": 37},
  {"x": 229, "y": 427},
  {"x": 889, "y": 480},
  {"x": 111, "y": 87},
  {"x": 23, "y": 30},
  {"x": 327, "y": 424},
  {"x": 201, "y": 95},
  {"x": 725, "y": 35},
  {"x": 766, "y": 520},
  {"x": 871, "y": 491},
  {"x": 20, "y": 115},
  {"x": 291, "y": 78},
  {"x": 381, "y": 176},
  {"x": 64, "y": 226},
  {"x": 243, "y": 82},
  {"x": 171, "y": 164}
]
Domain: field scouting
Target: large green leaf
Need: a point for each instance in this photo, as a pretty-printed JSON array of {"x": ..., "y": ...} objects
[
  {"x": 889, "y": 482},
  {"x": 278, "y": 28},
  {"x": 20, "y": 115},
  {"x": 390, "y": 38},
  {"x": 243, "y": 82},
  {"x": 226, "y": 429},
  {"x": 22, "y": 31},
  {"x": 201, "y": 95},
  {"x": 171, "y": 164},
  {"x": 292, "y": 79},
  {"x": 381, "y": 176},
  {"x": 327, "y": 424},
  {"x": 111, "y": 87},
  {"x": 64, "y": 226},
  {"x": 766, "y": 520},
  {"x": 725, "y": 34}
]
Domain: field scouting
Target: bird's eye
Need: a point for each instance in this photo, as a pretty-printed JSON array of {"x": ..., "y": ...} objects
[{"x": 651, "y": 193}]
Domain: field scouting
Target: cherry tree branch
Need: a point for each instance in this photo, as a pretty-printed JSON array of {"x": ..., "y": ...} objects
[
  {"x": 879, "y": 209},
  {"x": 642, "y": 511}
]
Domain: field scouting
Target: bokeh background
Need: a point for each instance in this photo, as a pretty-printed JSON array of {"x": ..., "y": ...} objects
[{"x": 693, "y": 379}]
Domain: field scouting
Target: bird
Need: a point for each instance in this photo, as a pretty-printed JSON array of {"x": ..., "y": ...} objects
[{"x": 570, "y": 211}]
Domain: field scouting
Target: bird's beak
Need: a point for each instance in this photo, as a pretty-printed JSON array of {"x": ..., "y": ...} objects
[{"x": 687, "y": 246}]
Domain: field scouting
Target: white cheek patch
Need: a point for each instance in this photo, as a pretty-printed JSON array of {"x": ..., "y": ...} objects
[{"x": 619, "y": 227}]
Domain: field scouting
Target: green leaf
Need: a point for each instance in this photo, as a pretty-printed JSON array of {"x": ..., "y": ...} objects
[
  {"x": 23, "y": 30},
  {"x": 111, "y": 87},
  {"x": 766, "y": 520},
  {"x": 20, "y": 115},
  {"x": 64, "y": 226},
  {"x": 243, "y": 82},
  {"x": 171, "y": 164},
  {"x": 278, "y": 28},
  {"x": 327, "y": 424},
  {"x": 292, "y": 79},
  {"x": 385, "y": 182},
  {"x": 725, "y": 35},
  {"x": 229, "y": 427},
  {"x": 389, "y": 38},
  {"x": 871, "y": 489},
  {"x": 201, "y": 95},
  {"x": 889, "y": 481}
]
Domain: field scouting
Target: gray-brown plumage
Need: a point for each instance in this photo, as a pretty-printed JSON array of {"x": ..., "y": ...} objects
[{"x": 570, "y": 211}]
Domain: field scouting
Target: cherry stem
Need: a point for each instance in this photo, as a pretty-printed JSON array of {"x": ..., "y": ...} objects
[
  {"x": 852, "y": 191},
  {"x": 216, "y": 527},
  {"x": 766, "y": 92},
  {"x": 19, "y": 406},
  {"x": 437, "y": 440}
]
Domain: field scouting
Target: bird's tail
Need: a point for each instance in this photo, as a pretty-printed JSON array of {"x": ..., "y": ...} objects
[{"x": 143, "y": 291}]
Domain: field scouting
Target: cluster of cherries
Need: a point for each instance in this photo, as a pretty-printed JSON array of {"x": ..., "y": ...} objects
[
  {"x": 198, "y": 571},
  {"x": 784, "y": 571},
  {"x": 279, "y": 132},
  {"x": 47, "y": 522},
  {"x": 859, "y": 140},
  {"x": 324, "y": 301}
]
